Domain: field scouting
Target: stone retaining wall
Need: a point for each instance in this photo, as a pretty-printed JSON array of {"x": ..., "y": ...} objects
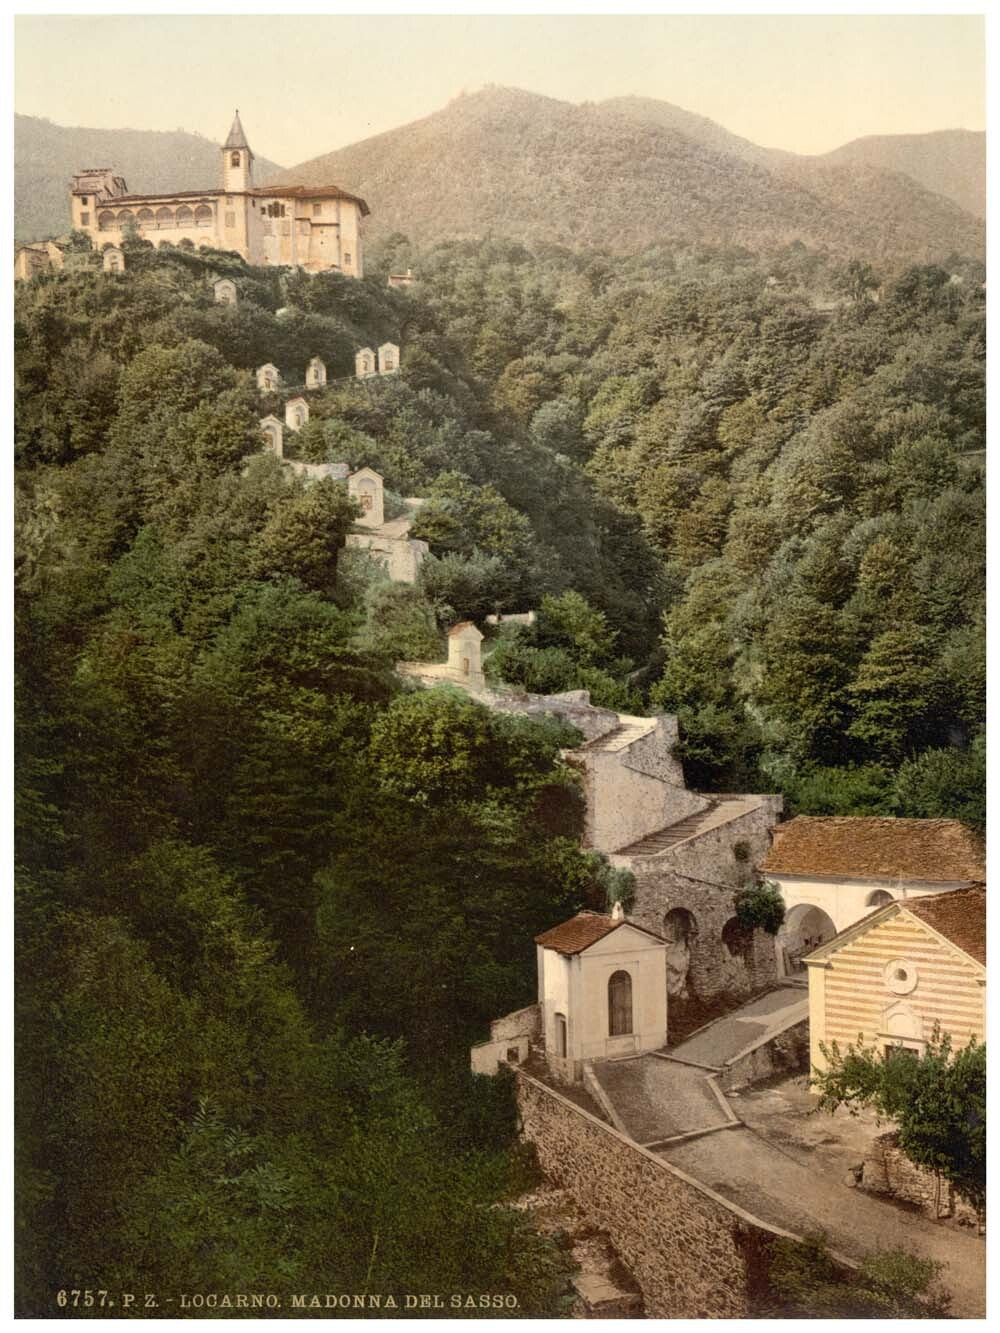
[
  {"x": 887, "y": 1170},
  {"x": 693, "y": 1254},
  {"x": 701, "y": 876},
  {"x": 509, "y": 1041},
  {"x": 786, "y": 1053}
]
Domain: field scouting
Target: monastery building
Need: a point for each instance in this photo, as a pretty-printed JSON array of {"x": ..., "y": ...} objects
[{"x": 315, "y": 227}]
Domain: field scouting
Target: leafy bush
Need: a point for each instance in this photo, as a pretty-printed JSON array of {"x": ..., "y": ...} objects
[
  {"x": 806, "y": 1283},
  {"x": 760, "y": 906},
  {"x": 937, "y": 1100}
]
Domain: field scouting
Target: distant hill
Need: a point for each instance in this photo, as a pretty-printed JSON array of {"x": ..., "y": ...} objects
[
  {"x": 950, "y": 162},
  {"x": 628, "y": 174},
  {"x": 47, "y": 155},
  {"x": 699, "y": 128}
]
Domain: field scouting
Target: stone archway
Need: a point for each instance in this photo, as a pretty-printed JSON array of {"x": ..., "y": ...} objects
[
  {"x": 680, "y": 930},
  {"x": 806, "y": 928}
]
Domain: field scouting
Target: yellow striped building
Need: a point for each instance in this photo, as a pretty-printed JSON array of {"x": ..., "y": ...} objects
[{"x": 889, "y": 978}]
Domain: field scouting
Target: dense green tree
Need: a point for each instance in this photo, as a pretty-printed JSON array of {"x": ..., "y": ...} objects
[{"x": 937, "y": 1101}]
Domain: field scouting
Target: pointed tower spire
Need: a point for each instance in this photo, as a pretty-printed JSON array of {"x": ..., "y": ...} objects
[
  {"x": 237, "y": 159},
  {"x": 237, "y": 138}
]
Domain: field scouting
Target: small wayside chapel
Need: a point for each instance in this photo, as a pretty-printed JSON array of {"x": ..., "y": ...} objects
[
  {"x": 268, "y": 378},
  {"x": 601, "y": 991},
  {"x": 296, "y": 413}
]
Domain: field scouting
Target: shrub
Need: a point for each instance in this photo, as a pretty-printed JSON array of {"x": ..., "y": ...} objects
[{"x": 761, "y": 906}]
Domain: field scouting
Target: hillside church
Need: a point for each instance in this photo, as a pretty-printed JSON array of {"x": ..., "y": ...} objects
[{"x": 314, "y": 227}]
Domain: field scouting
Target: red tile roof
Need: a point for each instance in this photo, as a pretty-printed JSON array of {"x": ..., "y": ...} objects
[
  {"x": 583, "y": 930},
  {"x": 273, "y": 192},
  {"x": 867, "y": 847},
  {"x": 960, "y": 916}
]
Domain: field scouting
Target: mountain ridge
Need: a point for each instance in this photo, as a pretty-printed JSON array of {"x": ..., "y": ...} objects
[
  {"x": 622, "y": 174},
  {"x": 625, "y": 176}
]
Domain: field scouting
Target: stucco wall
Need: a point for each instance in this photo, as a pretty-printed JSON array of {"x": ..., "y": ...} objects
[
  {"x": 693, "y": 1255},
  {"x": 626, "y": 804},
  {"x": 851, "y": 997},
  {"x": 643, "y": 960},
  {"x": 846, "y": 901},
  {"x": 513, "y": 1032}
]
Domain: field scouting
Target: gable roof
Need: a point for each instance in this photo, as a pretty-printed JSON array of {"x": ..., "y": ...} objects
[
  {"x": 959, "y": 917},
  {"x": 309, "y": 192},
  {"x": 869, "y": 847},
  {"x": 583, "y": 930},
  {"x": 464, "y": 625}
]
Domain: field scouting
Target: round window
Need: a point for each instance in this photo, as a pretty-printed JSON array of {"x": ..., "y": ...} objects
[{"x": 900, "y": 976}]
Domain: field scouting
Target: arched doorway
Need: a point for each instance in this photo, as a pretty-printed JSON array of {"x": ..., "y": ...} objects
[
  {"x": 737, "y": 939},
  {"x": 680, "y": 929},
  {"x": 806, "y": 928},
  {"x": 619, "y": 1004}
]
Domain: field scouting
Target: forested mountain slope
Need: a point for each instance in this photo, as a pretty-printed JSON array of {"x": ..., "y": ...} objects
[
  {"x": 625, "y": 175},
  {"x": 950, "y": 162},
  {"x": 47, "y": 155},
  {"x": 266, "y": 896}
]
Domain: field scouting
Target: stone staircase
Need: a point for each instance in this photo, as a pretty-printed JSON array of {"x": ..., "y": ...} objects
[
  {"x": 622, "y": 736},
  {"x": 719, "y": 811}
]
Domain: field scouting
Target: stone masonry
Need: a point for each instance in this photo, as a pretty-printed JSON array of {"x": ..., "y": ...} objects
[
  {"x": 693, "y": 1254},
  {"x": 700, "y": 875},
  {"x": 887, "y": 1170}
]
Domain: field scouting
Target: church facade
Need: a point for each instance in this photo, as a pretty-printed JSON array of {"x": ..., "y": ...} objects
[{"x": 314, "y": 227}]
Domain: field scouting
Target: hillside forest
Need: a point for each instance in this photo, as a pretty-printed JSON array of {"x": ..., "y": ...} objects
[{"x": 267, "y": 895}]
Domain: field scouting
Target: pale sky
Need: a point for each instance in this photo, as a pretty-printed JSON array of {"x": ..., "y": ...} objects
[{"x": 306, "y": 85}]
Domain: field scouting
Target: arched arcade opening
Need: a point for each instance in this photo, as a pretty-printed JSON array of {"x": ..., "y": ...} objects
[{"x": 806, "y": 928}]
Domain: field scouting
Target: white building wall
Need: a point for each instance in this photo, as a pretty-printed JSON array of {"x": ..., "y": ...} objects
[
  {"x": 846, "y": 900},
  {"x": 626, "y": 805},
  {"x": 577, "y": 987}
]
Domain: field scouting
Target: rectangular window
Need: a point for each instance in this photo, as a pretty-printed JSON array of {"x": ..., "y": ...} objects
[
  {"x": 230, "y": 219},
  {"x": 895, "y": 1052},
  {"x": 84, "y": 219},
  {"x": 317, "y": 210},
  {"x": 347, "y": 260},
  {"x": 560, "y": 1034},
  {"x": 84, "y": 202}
]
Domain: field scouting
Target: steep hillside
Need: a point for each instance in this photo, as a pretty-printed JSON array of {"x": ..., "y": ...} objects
[
  {"x": 511, "y": 163},
  {"x": 700, "y": 128},
  {"x": 950, "y": 162},
  {"x": 46, "y": 156}
]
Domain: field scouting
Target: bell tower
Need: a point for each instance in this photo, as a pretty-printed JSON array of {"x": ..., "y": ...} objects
[{"x": 237, "y": 159}]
